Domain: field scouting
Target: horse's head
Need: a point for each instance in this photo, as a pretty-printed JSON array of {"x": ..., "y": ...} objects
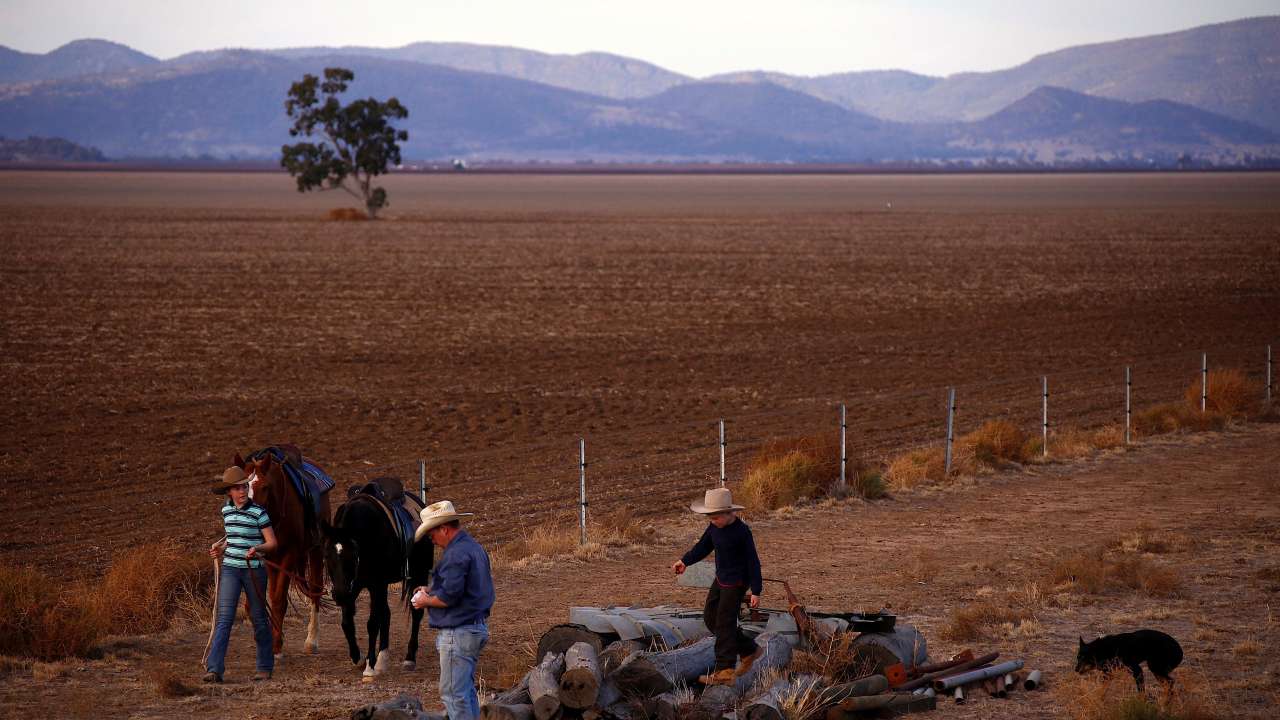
[
  {"x": 342, "y": 560},
  {"x": 263, "y": 472}
]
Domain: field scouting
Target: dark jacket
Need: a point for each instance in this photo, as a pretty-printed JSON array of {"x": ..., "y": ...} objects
[
  {"x": 736, "y": 560},
  {"x": 463, "y": 581}
]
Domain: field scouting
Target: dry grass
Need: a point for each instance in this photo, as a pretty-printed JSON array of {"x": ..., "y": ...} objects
[
  {"x": 1231, "y": 394},
  {"x": 915, "y": 468},
  {"x": 994, "y": 445},
  {"x": 346, "y": 214},
  {"x": 832, "y": 656},
  {"x": 973, "y": 621},
  {"x": 783, "y": 481},
  {"x": 1176, "y": 417},
  {"x": 44, "y": 620},
  {"x": 1094, "y": 572},
  {"x": 1150, "y": 540},
  {"x": 561, "y": 538},
  {"x": 1247, "y": 648},
  {"x": 1113, "y": 696},
  {"x": 148, "y": 584}
]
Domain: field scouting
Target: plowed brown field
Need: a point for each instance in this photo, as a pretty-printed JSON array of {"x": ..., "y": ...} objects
[{"x": 154, "y": 324}]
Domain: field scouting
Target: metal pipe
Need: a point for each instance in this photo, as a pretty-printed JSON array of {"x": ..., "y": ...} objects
[
  {"x": 959, "y": 696},
  {"x": 422, "y": 481},
  {"x": 1001, "y": 690},
  {"x": 1033, "y": 680},
  {"x": 1204, "y": 380},
  {"x": 962, "y": 667},
  {"x": 1268, "y": 373},
  {"x": 965, "y": 678}
]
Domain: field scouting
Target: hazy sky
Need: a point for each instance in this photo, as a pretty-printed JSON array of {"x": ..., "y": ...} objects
[{"x": 696, "y": 37}]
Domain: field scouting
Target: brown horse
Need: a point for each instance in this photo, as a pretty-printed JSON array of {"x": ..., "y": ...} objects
[{"x": 300, "y": 550}]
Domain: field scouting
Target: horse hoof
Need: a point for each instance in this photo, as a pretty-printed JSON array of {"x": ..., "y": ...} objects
[
  {"x": 409, "y": 665},
  {"x": 279, "y": 657},
  {"x": 367, "y": 679},
  {"x": 312, "y": 649}
]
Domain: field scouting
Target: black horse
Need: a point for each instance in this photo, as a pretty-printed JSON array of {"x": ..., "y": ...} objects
[{"x": 364, "y": 552}]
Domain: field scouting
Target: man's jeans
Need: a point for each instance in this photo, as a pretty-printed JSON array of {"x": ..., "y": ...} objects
[
  {"x": 253, "y": 581},
  {"x": 459, "y": 649}
]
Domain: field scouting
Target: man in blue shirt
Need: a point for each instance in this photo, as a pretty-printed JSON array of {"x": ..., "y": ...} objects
[{"x": 458, "y": 605}]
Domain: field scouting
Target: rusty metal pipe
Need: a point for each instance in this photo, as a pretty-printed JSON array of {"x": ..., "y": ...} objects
[
  {"x": 927, "y": 679},
  {"x": 797, "y": 611}
]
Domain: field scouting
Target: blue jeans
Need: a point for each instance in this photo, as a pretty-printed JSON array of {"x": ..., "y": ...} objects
[
  {"x": 459, "y": 649},
  {"x": 253, "y": 581}
]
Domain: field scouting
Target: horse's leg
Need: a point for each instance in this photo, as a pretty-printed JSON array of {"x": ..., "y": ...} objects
[
  {"x": 411, "y": 655},
  {"x": 278, "y": 589},
  {"x": 349, "y": 626},
  {"x": 377, "y": 609},
  {"x": 384, "y": 638},
  {"x": 315, "y": 578}
]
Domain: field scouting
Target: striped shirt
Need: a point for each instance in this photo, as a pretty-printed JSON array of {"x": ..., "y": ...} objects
[{"x": 244, "y": 530}]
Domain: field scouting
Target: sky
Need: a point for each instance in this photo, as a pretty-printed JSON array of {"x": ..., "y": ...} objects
[{"x": 694, "y": 37}]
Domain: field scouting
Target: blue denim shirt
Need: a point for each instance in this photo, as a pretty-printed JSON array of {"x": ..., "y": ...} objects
[{"x": 463, "y": 581}]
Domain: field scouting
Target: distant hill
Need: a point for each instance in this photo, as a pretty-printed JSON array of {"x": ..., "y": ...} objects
[
  {"x": 596, "y": 73},
  {"x": 46, "y": 150},
  {"x": 1231, "y": 68},
  {"x": 1059, "y": 124},
  {"x": 81, "y": 57}
]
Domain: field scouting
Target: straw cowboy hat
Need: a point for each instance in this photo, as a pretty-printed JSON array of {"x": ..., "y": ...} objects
[
  {"x": 231, "y": 477},
  {"x": 435, "y": 515},
  {"x": 716, "y": 501}
]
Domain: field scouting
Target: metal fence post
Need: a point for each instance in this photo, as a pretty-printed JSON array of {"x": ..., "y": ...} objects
[
  {"x": 1268, "y": 373},
  {"x": 721, "y": 453},
  {"x": 844, "y": 456},
  {"x": 951, "y": 412},
  {"x": 1128, "y": 405},
  {"x": 1044, "y": 430},
  {"x": 422, "y": 481},
  {"x": 582, "y": 490},
  {"x": 1204, "y": 380}
]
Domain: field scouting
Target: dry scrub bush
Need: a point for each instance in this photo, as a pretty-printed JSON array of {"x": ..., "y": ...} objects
[
  {"x": 347, "y": 214},
  {"x": 1231, "y": 394},
  {"x": 561, "y": 537},
  {"x": 1093, "y": 572},
  {"x": 915, "y": 468},
  {"x": 786, "y": 470},
  {"x": 973, "y": 621},
  {"x": 167, "y": 682},
  {"x": 1150, "y": 540},
  {"x": 43, "y": 620},
  {"x": 149, "y": 583},
  {"x": 1113, "y": 696},
  {"x": 834, "y": 657},
  {"x": 995, "y": 444}
]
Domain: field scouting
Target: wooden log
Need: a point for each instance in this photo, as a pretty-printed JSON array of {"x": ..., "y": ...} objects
[
  {"x": 609, "y": 693},
  {"x": 492, "y": 711},
  {"x": 649, "y": 674},
  {"x": 665, "y": 706},
  {"x": 878, "y": 650},
  {"x": 560, "y": 638},
  {"x": 777, "y": 654},
  {"x": 887, "y": 704},
  {"x": 616, "y": 652},
  {"x": 767, "y": 705},
  {"x": 719, "y": 699},
  {"x": 544, "y": 686},
  {"x": 580, "y": 682},
  {"x": 518, "y": 695},
  {"x": 870, "y": 685}
]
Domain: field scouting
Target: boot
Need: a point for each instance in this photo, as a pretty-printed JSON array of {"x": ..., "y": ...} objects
[
  {"x": 719, "y": 677},
  {"x": 262, "y": 675},
  {"x": 212, "y": 677},
  {"x": 745, "y": 663}
]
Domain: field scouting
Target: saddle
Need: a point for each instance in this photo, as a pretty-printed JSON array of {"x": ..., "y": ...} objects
[
  {"x": 307, "y": 478},
  {"x": 402, "y": 510}
]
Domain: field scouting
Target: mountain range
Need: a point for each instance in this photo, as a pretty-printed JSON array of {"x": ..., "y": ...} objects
[{"x": 1211, "y": 92}]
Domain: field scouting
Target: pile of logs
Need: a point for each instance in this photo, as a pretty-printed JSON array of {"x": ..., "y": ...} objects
[{"x": 623, "y": 683}]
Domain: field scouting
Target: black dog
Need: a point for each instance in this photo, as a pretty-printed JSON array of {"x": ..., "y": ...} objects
[{"x": 1160, "y": 652}]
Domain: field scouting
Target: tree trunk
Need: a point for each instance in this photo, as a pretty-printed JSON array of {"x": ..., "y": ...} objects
[
  {"x": 777, "y": 654},
  {"x": 719, "y": 699},
  {"x": 892, "y": 703},
  {"x": 544, "y": 686},
  {"x": 665, "y": 706},
  {"x": 560, "y": 638},
  {"x": 518, "y": 695},
  {"x": 649, "y": 674},
  {"x": 616, "y": 652},
  {"x": 580, "y": 682},
  {"x": 506, "y": 712},
  {"x": 768, "y": 704}
]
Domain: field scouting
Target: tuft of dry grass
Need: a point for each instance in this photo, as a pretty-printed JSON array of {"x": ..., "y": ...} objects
[
  {"x": 149, "y": 583},
  {"x": 561, "y": 538},
  {"x": 1150, "y": 540},
  {"x": 44, "y": 620},
  {"x": 783, "y": 481},
  {"x": 1092, "y": 571},
  {"x": 347, "y": 214},
  {"x": 1247, "y": 648},
  {"x": 974, "y": 620},
  {"x": 915, "y": 468},
  {"x": 995, "y": 444},
  {"x": 1231, "y": 394},
  {"x": 1113, "y": 696},
  {"x": 833, "y": 656}
]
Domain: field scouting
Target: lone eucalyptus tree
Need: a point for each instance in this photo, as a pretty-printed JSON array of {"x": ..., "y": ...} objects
[{"x": 355, "y": 142}]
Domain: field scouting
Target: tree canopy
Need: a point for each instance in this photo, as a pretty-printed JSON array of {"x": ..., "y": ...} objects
[{"x": 354, "y": 143}]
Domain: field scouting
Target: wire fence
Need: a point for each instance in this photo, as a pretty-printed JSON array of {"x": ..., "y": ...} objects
[{"x": 657, "y": 468}]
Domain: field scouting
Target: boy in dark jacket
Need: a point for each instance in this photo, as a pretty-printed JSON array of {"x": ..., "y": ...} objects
[{"x": 737, "y": 574}]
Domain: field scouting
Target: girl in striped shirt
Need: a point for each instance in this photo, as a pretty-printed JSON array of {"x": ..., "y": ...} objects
[{"x": 248, "y": 535}]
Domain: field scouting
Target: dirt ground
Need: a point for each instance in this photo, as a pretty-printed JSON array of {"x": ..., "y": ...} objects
[
  {"x": 921, "y": 555},
  {"x": 153, "y": 324}
]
